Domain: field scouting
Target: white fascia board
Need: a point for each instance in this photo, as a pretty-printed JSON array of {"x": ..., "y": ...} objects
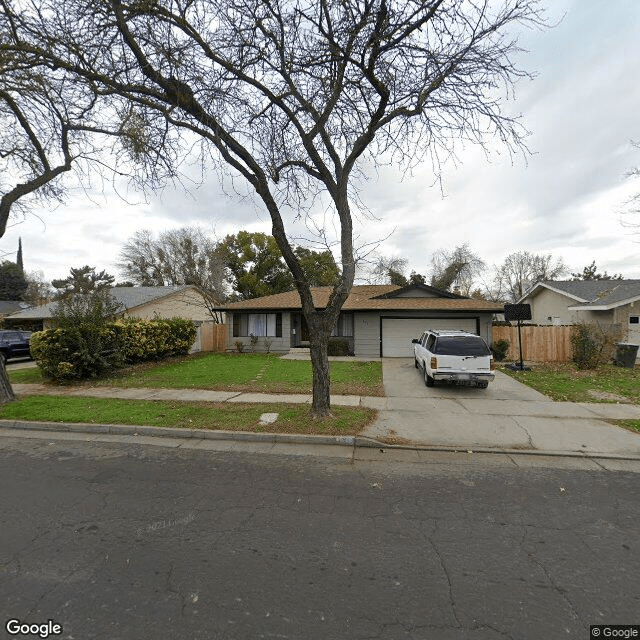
[
  {"x": 604, "y": 307},
  {"x": 539, "y": 285}
]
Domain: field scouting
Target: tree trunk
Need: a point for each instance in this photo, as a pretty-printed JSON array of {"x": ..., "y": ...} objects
[
  {"x": 6, "y": 391},
  {"x": 318, "y": 342}
]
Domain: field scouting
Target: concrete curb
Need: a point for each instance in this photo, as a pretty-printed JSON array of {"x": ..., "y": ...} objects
[
  {"x": 202, "y": 434},
  {"x": 285, "y": 438}
]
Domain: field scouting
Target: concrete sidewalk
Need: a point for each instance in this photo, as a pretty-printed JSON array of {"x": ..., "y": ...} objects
[
  {"x": 508, "y": 416},
  {"x": 191, "y": 395}
]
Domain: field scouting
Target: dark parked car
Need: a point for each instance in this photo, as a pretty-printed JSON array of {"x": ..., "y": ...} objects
[{"x": 14, "y": 344}]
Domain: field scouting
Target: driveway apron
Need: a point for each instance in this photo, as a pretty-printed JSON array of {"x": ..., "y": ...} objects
[{"x": 506, "y": 415}]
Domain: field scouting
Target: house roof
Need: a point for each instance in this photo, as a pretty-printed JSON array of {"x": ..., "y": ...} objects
[
  {"x": 370, "y": 298},
  {"x": 596, "y": 295},
  {"x": 128, "y": 297},
  {"x": 10, "y": 306}
]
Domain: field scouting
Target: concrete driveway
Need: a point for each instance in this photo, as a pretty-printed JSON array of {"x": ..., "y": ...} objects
[{"x": 506, "y": 415}]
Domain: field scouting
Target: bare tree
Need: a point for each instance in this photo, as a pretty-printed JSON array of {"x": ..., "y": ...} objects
[
  {"x": 386, "y": 270},
  {"x": 176, "y": 257},
  {"x": 289, "y": 94},
  {"x": 458, "y": 268},
  {"x": 520, "y": 271},
  {"x": 39, "y": 290},
  {"x": 34, "y": 139}
]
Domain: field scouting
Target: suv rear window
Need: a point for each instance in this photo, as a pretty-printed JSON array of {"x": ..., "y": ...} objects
[{"x": 460, "y": 346}]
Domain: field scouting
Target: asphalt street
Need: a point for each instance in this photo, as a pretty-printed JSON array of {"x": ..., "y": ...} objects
[{"x": 127, "y": 541}]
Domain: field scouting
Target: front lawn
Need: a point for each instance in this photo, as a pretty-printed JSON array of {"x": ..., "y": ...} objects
[
  {"x": 191, "y": 415},
  {"x": 258, "y": 373},
  {"x": 564, "y": 382}
]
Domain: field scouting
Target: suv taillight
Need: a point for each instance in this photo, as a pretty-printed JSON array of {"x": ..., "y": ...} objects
[{"x": 434, "y": 362}]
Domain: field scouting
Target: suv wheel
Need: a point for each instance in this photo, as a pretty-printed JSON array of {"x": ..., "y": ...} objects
[
  {"x": 415, "y": 363},
  {"x": 428, "y": 380}
]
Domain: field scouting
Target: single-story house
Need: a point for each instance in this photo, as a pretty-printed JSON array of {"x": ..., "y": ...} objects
[
  {"x": 146, "y": 303},
  {"x": 377, "y": 320},
  {"x": 604, "y": 302}
]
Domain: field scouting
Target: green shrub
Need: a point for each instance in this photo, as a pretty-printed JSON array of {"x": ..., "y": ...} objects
[
  {"x": 145, "y": 340},
  {"x": 80, "y": 352},
  {"x": 593, "y": 345},
  {"x": 338, "y": 347},
  {"x": 86, "y": 350},
  {"x": 499, "y": 349}
]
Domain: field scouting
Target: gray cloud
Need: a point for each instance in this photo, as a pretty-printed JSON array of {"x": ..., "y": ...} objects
[{"x": 582, "y": 112}]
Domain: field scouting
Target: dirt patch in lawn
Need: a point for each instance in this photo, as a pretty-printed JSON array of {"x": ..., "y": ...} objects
[{"x": 605, "y": 396}]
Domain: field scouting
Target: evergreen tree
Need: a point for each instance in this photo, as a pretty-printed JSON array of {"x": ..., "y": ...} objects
[
  {"x": 12, "y": 282},
  {"x": 83, "y": 280},
  {"x": 19, "y": 257},
  {"x": 590, "y": 272}
]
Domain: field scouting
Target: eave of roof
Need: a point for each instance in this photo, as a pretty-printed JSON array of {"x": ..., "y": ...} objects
[
  {"x": 546, "y": 285},
  {"x": 594, "y": 306}
]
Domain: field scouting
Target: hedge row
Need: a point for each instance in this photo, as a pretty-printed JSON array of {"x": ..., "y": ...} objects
[
  {"x": 89, "y": 351},
  {"x": 145, "y": 340}
]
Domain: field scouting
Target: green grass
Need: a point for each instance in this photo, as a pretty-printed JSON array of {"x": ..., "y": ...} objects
[
  {"x": 26, "y": 376},
  {"x": 566, "y": 383},
  {"x": 239, "y": 372},
  {"x": 632, "y": 425},
  {"x": 192, "y": 415}
]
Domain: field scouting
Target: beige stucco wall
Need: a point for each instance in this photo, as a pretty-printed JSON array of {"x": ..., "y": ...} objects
[
  {"x": 181, "y": 304},
  {"x": 549, "y": 307}
]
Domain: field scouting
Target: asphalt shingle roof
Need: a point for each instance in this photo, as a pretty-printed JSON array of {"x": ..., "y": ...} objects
[
  {"x": 11, "y": 306},
  {"x": 598, "y": 292},
  {"x": 366, "y": 298},
  {"x": 128, "y": 297}
]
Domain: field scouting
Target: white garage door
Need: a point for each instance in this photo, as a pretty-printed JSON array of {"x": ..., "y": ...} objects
[{"x": 397, "y": 333}]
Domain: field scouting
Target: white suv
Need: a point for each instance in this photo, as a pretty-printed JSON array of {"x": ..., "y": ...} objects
[{"x": 455, "y": 356}]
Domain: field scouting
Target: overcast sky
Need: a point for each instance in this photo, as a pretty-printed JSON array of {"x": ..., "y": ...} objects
[{"x": 567, "y": 199}]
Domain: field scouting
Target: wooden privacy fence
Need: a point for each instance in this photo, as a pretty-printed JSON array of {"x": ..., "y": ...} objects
[
  {"x": 539, "y": 343},
  {"x": 213, "y": 337}
]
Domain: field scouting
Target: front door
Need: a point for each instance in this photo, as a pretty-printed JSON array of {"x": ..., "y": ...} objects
[{"x": 299, "y": 330}]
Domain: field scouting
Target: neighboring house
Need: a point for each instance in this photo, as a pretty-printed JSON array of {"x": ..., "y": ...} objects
[
  {"x": 377, "y": 320},
  {"x": 604, "y": 302},
  {"x": 7, "y": 307},
  {"x": 137, "y": 302}
]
